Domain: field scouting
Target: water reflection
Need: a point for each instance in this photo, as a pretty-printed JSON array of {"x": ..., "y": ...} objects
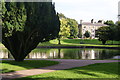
[{"x": 68, "y": 53}]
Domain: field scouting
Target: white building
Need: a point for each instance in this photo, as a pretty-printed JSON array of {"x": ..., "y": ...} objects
[
  {"x": 119, "y": 11},
  {"x": 90, "y": 27}
]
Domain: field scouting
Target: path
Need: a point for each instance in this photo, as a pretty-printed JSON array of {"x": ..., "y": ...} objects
[{"x": 64, "y": 64}]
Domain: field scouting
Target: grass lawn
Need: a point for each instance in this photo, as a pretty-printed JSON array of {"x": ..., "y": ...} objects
[
  {"x": 98, "y": 70},
  {"x": 10, "y": 65},
  {"x": 80, "y": 42}
]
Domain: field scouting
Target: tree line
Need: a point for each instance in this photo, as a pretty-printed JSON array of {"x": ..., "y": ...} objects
[{"x": 110, "y": 32}]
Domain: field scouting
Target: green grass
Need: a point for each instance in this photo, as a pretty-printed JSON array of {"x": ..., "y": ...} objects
[
  {"x": 79, "y": 42},
  {"x": 10, "y": 65},
  {"x": 98, "y": 70},
  {"x": 84, "y": 42}
]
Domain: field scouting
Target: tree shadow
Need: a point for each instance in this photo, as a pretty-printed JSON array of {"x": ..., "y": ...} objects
[
  {"x": 28, "y": 64},
  {"x": 93, "y": 67},
  {"x": 6, "y": 70},
  {"x": 50, "y": 78},
  {"x": 100, "y": 68},
  {"x": 86, "y": 73}
]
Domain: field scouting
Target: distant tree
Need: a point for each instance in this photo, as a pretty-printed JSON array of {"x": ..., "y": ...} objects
[
  {"x": 73, "y": 28},
  {"x": 117, "y": 31},
  {"x": 64, "y": 28},
  {"x": 103, "y": 34},
  {"x": 87, "y": 34},
  {"x": 69, "y": 27},
  {"x": 27, "y": 24},
  {"x": 109, "y": 22},
  {"x": 110, "y": 32},
  {"x": 61, "y": 15}
]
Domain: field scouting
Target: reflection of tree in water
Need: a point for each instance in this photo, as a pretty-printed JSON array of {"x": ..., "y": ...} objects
[
  {"x": 59, "y": 53},
  {"x": 107, "y": 54},
  {"x": 79, "y": 55},
  {"x": 71, "y": 53},
  {"x": 87, "y": 55}
]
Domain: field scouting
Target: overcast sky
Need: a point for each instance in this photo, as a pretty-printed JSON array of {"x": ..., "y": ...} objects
[{"x": 88, "y": 9}]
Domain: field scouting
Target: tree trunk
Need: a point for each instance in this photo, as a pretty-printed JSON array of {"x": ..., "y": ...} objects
[
  {"x": 103, "y": 42},
  {"x": 59, "y": 41},
  {"x": 19, "y": 59},
  {"x": 18, "y": 46},
  {"x": 59, "y": 52}
]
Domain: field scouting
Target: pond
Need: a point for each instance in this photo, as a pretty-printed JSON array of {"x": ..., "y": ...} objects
[{"x": 67, "y": 53}]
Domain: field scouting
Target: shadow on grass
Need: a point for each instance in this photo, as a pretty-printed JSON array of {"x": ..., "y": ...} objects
[
  {"x": 50, "y": 78},
  {"x": 105, "y": 68},
  {"x": 7, "y": 70},
  {"x": 86, "y": 73},
  {"x": 26, "y": 64}
]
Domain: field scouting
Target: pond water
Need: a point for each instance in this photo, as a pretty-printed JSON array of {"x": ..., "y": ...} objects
[{"x": 68, "y": 53}]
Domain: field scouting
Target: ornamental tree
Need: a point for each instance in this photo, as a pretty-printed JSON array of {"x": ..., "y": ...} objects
[{"x": 25, "y": 24}]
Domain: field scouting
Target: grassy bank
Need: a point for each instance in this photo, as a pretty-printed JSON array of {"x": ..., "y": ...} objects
[
  {"x": 10, "y": 66},
  {"x": 81, "y": 42},
  {"x": 99, "y": 70},
  {"x": 77, "y": 42}
]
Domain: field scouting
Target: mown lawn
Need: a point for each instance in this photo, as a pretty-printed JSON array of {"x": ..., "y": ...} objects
[
  {"x": 80, "y": 42},
  {"x": 10, "y": 65},
  {"x": 98, "y": 70}
]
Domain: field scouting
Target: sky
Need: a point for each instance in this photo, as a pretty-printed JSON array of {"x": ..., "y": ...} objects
[{"x": 88, "y": 9}]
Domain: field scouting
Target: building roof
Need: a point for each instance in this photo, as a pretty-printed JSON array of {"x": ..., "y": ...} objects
[
  {"x": 87, "y": 23},
  {"x": 100, "y": 24},
  {"x": 93, "y": 24}
]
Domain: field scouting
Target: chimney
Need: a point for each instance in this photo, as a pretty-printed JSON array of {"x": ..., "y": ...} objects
[
  {"x": 92, "y": 20},
  {"x": 81, "y": 21},
  {"x": 101, "y": 21}
]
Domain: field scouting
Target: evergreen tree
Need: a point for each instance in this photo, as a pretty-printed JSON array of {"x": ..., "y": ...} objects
[
  {"x": 26, "y": 24},
  {"x": 87, "y": 34}
]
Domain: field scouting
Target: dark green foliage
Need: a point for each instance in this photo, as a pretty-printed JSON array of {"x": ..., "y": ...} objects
[
  {"x": 87, "y": 34},
  {"x": 109, "y": 22},
  {"x": 117, "y": 31},
  {"x": 103, "y": 34},
  {"x": 111, "y": 32},
  {"x": 27, "y": 24}
]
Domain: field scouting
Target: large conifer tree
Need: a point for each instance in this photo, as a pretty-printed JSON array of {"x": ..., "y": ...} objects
[{"x": 26, "y": 24}]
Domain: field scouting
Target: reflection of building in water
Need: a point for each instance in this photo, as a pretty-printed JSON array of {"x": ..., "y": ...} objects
[
  {"x": 90, "y": 54},
  {"x": 51, "y": 54},
  {"x": 37, "y": 55},
  {"x": 56, "y": 54}
]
